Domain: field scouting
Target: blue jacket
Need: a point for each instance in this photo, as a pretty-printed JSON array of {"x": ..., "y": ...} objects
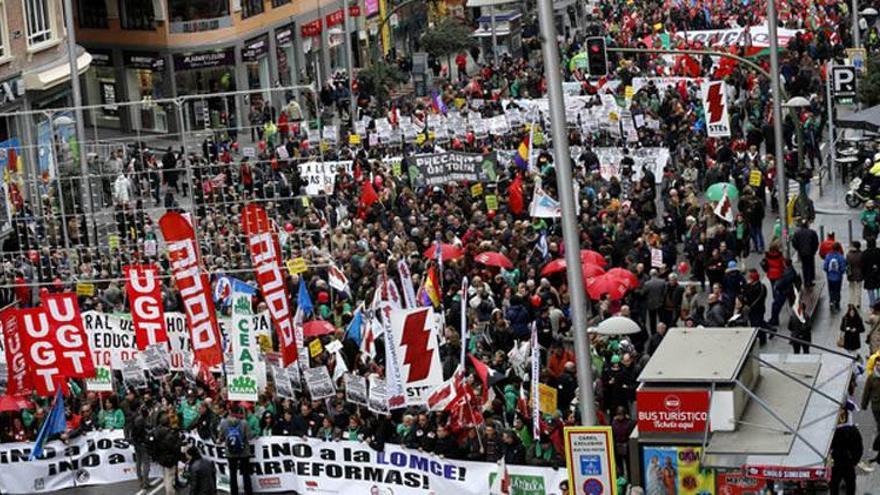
[{"x": 834, "y": 266}]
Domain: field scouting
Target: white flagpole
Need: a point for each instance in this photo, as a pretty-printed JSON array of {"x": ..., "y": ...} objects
[
  {"x": 464, "y": 330},
  {"x": 532, "y": 136}
]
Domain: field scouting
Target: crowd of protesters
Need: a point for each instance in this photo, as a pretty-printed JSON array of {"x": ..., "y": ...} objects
[{"x": 713, "y": 273}]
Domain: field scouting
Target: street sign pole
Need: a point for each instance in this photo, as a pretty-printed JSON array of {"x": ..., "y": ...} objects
[
  {"x": 570, "y": 235},
  {"x": 829, "y": 75}
]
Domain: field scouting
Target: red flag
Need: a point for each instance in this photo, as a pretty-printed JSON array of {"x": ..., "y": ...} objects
[
  {"x": 194, "y": 287},
  {"x": 72, "y": 343},
  {"x": 368, "y": 197},
  {"x": 515, "y": 192},
  {"x": 488, "y": 376},
  {"x": 145, "y": 302},
  {"x": 41, "y": 351},
  {"x": 20, "y": 381},
  {"x": 266, "y": 258}
]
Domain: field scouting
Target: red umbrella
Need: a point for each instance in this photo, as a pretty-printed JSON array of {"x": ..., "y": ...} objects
[
  {"x": 555, "y": 266},
  {"x": 493, "y": 259},
  {"x": 602, "y": 285},
  {"x": 447, "y": 252},
  {"x": 590, "y": 270},
  {"x": 625, "y": 276},
  {"x": 590, "y": 256},
  {"x": 9, "y": 403},
  {"x": 317, "y": 327}
]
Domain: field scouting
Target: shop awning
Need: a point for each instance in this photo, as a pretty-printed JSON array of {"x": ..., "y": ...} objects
[
  {"x": 48, "y": 76},
  {"x": 499, "y": 31},
  {"x": 488, "y": 3},
  {"x": 761, "y": 440},
  {"x": 866, "y": 120}
]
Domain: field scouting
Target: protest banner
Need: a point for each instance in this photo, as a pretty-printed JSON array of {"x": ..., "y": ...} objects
[
  {"x": 155, "y": 360},
  {"x": 301, "y": 465},
  {"x": 18, "y": 376},
  {"x": 320, "y": 177},
  {"x": 41, "y": 352},
  {"x": 295, "y": 375},
  {"x": 133, "y": 375},
  {"x": 439, "y": 168},
  {"x": 418, "y": 360},
  {"x": 378, "y": 397},
  {"x": 71, "y": 344},
  {"x": 355, "y": 389},
  {"x": 244, "y": 347},
  {"x": 319, "y": 383},
  {"x": 145, "y": 302},
  {"x": 94, "y": 458},
  {"x": 651, "y": 158},
  {"x": 102, "y": 382}
]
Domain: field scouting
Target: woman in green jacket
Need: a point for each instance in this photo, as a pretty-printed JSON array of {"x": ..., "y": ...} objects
[{"x": 111, "y": 417}]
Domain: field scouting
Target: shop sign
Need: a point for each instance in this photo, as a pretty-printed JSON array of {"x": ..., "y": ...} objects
[
  {"x": 311, "y": 29},
  {"x": 101, "y": 58},
  {"x": 255, "y": 49},
  {"x": 335, "y": 18},
  {"x": 672, "y": 411},
  {"x": 354, "y": 11},
  {"x": 148, "y": 61},
  {"x": 589, "y": 458},
  {"x": 372, "y": 7},
  {"x": 11, "y": 90},
  {"x": 204, "y": 60},
  {"x": 738, "y": 484},
  {"x": 284, "y": 36},
  {"x": 787, "y": 473}
]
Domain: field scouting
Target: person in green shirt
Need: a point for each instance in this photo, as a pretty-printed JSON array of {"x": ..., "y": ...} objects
[
  {"x": 869, "y": 219},
  {"x": 111, "y": 417},
  {"x": 189, "y": 410}
]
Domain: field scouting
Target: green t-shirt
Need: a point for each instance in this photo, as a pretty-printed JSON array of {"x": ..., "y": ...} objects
[
  {"x": 189, "y": 413},
  {"x": 869, "y": 218},
  {"x": 111, "y": 420}
]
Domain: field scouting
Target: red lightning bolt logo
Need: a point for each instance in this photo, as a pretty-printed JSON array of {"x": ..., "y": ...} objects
[
  {"x": 415, "y": 338},
  {"x": 713, "y": 99}
]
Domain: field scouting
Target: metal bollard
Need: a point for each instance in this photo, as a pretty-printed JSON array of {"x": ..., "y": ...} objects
[
  {"x": 822, "y": 231},
  {"x": 849, "y": 228}
]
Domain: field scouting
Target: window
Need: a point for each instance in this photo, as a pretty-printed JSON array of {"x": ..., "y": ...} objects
[
  {"x": 136, "y": 14},
  {"x": 194, "y": 10},
  {"x": 39, "y": 19},
  {"x": 251, "y": 8},
  {"x": 279, "y": 3},
  {"x": 3, "y": 38},
  {"x": 92, "y": 14}
]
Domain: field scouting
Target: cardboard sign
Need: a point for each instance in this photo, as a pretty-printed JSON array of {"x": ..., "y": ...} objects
[
  {"x": 589, "y": 458},
  {"x": 492, "y": 202},
  {"x": 297, "y": 266},
  {"x": 476, "y": 189},
  {"x": 319, "y": 383},
  {"x": 315, "y": 348},
  {"x": 547, "y": 398},
  {"x": 85, "y": 289}
]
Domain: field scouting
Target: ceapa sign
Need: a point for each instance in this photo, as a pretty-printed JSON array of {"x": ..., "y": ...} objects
[{"x": 672, "y": 411}]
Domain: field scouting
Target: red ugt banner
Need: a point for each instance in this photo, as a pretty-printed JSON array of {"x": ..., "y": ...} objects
[
  {"x": 20, "y": 381},
  {"x": 183, "y": 252},
  {"x": 62, "y": 311},
  {"x": 145, "y": 301},
  {"x": 266, "y": 257},
  {"x": 41, "y": 352}
]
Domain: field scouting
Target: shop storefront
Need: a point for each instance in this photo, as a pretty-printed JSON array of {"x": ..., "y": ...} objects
[
  {"x": 145, "y": 80},
  {"x": 255, "y": 55},
  {"x": 284, "y": 50},
  {"x": 311, "y": 47},
  {"x": 206, "y": 73},
  {"x": 103, "y": 88}
]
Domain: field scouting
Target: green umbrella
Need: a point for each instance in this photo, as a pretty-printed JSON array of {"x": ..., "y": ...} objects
[
  {"x": 716, "y": 191},
  {"x": 579, "y": 61}
]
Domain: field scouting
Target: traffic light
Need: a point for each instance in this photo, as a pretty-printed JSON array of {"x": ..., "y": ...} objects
[{"x": 597, "y": 56}]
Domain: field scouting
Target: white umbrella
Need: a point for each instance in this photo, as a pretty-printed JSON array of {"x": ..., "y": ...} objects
[
  {"x": 869, "y": 11},
  {"x": 617, "y": 325}
]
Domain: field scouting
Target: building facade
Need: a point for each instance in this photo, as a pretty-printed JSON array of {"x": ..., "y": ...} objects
[
  {"x": 147, "y": 50},
  {"x": 34, "y": 76}
]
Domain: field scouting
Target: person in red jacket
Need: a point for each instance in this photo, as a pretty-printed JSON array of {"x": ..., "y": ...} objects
[
  {"x": 827, "y": 245},
  {"x": 773, "y": 262}
]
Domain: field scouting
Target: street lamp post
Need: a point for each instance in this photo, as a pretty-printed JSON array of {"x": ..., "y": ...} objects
[
  {"x": 348, "y": 61},
  {"x": 570, "y": 234},
  {"x": 781, "y": 182}
]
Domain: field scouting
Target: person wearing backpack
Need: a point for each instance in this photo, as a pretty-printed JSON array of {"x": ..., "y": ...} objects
[
  {"x": 835, "y": 267},
  {"x": 236, "y": 436}
]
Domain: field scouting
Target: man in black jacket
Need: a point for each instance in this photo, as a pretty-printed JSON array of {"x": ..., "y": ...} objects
[
  {"x": 201, "y": 474},
  {"x": 755, "y": 297},
  {"x": 166, "y": 446},
  {"x": 846, "y": 451},
  {"x": 139, "y": 436},
  {"x": 806, "y": 242}
]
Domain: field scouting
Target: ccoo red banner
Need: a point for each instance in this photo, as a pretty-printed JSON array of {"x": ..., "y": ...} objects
[
  {"x": 266, "y": 257},
  {"x": 41, "y": 352},
  {"x": 65, "y": 322},
  {"x": 145, "y": 302},
  {"x": 183, "y": 252},
  {"x": 19, "y": 379}
]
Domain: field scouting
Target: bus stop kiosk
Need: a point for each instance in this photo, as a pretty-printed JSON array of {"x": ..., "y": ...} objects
[{"x": 716, "y": 416}]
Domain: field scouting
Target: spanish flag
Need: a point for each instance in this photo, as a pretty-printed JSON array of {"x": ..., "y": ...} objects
[
  {"x": 521, "y": 158},
  {"x": 429, "y": 295}
]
